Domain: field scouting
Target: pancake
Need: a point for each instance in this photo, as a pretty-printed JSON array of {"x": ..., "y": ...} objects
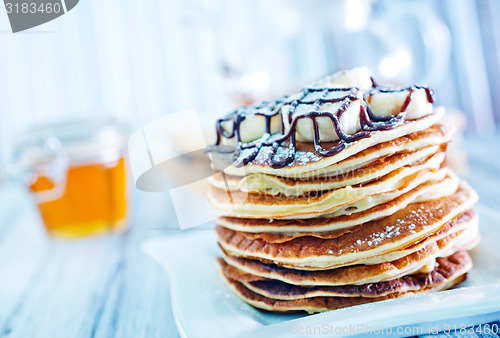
[
  {"x": 321, "y": 304},
  {"x": 306, "y": 161},
  {"x": 358, "y": 274},
  {"x": 434, "y": 135},
  {"x": 466, "y": 222},
  {"x": 375, "y": 238},
  {"x": 426, "y": 158},
  {"x": 361, "y": 211},
  {"x": 259, "y": 205},
  {"x": 446, "y": 268},
  {"x": 317, "y": 254},
  {"x": 285, "y": 237}
]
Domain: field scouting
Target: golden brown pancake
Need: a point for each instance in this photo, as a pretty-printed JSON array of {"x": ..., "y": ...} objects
[
  {"x": 353, "y": 214},
  {"x": 414, "y": 224},
  {"x": 320, "y": 304},
  {"x": 434, "y": 135},
  {"x": 446, "y": 268},
  {"x": 314, "y": 204},
  {"x": 426, "y": 158},
  {"x": 356, "y": 274},
  {"x": 306, "y": 161}
]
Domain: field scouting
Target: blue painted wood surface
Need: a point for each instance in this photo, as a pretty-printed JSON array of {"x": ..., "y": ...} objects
[{"x": 103, "y": 286}]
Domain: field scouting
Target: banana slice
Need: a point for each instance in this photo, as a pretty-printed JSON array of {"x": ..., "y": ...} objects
[
  {"x": 253, "y": 122},
  {"x": 390, "y": 102},
  {"x": 252, "y": 128},
  {"x": 359, "y": 77},
  {"x": 301, "y": 105},
  {"x": 345, "y": 90}
]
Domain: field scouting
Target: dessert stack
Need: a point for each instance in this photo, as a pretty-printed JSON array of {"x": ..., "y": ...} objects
[{"x": 339, "y": 195}]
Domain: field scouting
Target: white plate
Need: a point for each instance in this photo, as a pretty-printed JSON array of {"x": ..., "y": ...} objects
[{"x": 203, "y": 306}]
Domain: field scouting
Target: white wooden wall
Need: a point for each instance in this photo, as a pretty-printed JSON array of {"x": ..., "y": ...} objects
[{"x": 139, "y": 60}]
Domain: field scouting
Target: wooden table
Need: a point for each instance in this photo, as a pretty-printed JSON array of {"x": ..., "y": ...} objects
[{"x": 106, "y": 286}]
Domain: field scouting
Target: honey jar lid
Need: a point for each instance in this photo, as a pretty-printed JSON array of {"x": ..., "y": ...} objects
[{"x": 88, "y": 140}]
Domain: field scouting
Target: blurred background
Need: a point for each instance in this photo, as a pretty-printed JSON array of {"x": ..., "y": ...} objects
[
  {"x": 136, "y": 61},
  {"x": 133, "y": 62}
]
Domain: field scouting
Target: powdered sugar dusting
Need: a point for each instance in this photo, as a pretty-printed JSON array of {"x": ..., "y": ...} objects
[
  {"x": 419, "y": 217},
  {"x": 303, "y": 158}
]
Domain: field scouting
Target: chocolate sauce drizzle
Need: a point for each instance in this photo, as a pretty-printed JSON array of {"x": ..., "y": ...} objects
[{"x": 269, "y": 109}]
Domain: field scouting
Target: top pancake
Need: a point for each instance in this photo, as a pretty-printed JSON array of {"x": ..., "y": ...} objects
[{"x": 307, "y": 161}]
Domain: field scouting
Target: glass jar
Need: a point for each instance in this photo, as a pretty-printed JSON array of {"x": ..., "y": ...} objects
[{"x": 77, "y": 174}]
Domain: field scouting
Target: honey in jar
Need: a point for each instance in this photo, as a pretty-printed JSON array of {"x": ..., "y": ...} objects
[{"x": 78, "y": 176}]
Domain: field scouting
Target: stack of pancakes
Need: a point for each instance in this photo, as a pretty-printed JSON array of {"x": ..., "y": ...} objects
[{"x": 382, "y": 218}]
